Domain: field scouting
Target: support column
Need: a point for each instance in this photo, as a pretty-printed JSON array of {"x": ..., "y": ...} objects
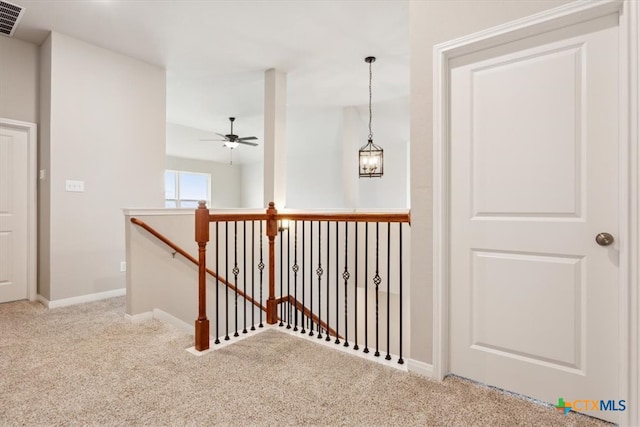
[{"x": 275, "y": 153}]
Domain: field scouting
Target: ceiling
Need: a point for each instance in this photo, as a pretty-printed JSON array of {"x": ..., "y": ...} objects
[{"x": 216, "y": 53}]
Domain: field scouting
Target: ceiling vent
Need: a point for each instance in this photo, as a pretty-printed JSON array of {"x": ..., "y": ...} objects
[{"x": 10, "y": 15}]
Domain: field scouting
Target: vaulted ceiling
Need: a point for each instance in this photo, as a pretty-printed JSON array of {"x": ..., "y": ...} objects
[{"x": 216, "y": 52}]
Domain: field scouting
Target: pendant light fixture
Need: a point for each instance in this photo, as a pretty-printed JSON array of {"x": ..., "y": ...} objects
[{"x": 370, "y": 164}]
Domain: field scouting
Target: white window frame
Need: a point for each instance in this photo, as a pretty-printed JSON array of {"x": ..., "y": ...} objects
[{"x": 178, "y": 200}]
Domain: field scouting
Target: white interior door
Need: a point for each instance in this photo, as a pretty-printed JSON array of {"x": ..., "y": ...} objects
[
  {"x": 534, "y": 178},
  {"x": 14, "y": 162}
]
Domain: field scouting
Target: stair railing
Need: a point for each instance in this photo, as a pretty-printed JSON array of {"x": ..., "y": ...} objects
[{"x": 328, "y": 297}]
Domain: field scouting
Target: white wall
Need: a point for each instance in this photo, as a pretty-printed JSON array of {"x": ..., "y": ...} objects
[
  {"x": 251, "y": 188},
  {"x": 390, "y": 126},
  {"x": 107, "y": 128},
  {"x": 433, "y": 22},
  {"x": 225, "y": 179},
  {"x": 314, "y": 158},
  {"x": 19, "y": 80}
]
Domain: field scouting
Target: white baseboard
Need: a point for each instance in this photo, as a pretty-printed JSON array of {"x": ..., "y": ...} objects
[
  {"x": 137, "y": 318},
  {"x": 81, "y": 299},
  {"x": 158, "y": 314},
  {"x": 172, "y": 320},
  {"x": 420, "y": 368}
]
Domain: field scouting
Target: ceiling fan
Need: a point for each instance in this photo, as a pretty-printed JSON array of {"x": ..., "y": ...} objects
[{"x": 232, "y": 140}]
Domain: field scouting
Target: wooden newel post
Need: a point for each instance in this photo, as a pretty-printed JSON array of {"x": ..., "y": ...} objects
[
  {"x": 272, "y": 232},
  {"x": 202, "y": 237}
]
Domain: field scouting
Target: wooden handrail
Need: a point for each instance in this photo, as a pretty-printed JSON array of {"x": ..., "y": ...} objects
[
  {"x": 185, "y": 254},
  {"x": 320, "y": 216},
  {"x": 291, "y": 300}
]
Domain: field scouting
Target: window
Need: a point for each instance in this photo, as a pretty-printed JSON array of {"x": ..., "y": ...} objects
[{"x": 185, "y": 189}]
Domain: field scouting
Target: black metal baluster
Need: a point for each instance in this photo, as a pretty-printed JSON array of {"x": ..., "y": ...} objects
[
  {"x": 377, "y": 281},
  {"x": 295, "y": 273},
  {"x": 345, "y": 276},
  {"x": 253, "y": 274},
  {"x": 226, "y": 275},
  {"x": 388, "y": 356},
  {"x": 319, "y": 272},
  {"x": 400, "y": 361},
  {"x": 366, "y": 287},
  {"x": 302, "y": 331},
  {"x": 236, "y": 270},
  {"x": 244, "y": 275},
  {"x": 217, "y": 341},
  {"x": 261, "y": 268},
  {"x": 311, "y": 278},
  {"x": 281, "y": 275},
  {"x": 328, "y": 256},
  {"x": 337, "y": 341},
  {"x": 355, "y": 293},
  {"x": 288, "y": 279}
]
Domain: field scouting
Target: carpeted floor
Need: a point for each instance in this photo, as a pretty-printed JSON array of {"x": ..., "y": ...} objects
[{"x": 87, "y": 365}]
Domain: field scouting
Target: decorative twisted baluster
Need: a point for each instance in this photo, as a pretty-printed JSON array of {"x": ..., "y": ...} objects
[
  {"x": 261, "y": 269},
  {"x": 345, "y": 277},
  {"x": 253, "y": 273},
  {"x": 319, "y": 272},
  {"x": 376, "y": 281},
  {"x": 236, "y": 271}
]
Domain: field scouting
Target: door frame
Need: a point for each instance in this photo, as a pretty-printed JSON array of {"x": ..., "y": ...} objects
[
  {"x": 32, "y": 203},
  {"x": 629, "y": 162}
]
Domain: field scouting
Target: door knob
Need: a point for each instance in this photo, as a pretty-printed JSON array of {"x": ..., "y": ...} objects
[{"x": 604, "y": 239}]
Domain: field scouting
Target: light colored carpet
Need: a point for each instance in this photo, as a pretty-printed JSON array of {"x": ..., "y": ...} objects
[{"x": 87, "y": 365}]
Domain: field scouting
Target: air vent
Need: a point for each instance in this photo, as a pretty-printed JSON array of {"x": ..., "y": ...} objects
[{"x": 10, "y": 15}]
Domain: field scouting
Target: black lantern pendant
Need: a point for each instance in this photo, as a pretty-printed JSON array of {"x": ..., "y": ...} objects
[{"x": 370, "y": 164}]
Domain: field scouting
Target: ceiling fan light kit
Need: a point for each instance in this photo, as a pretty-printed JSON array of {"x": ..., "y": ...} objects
[
  {"x": 370, "y": 155},
  {"x": 232, "y": 140}
]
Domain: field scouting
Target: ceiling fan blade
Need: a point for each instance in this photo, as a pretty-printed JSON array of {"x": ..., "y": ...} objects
[
  {"x": 246, "y": 143},
  {"x": 219, "y": 134},
  {"x": 247, "y": 138},
  {"x": 217, "y": 140}
]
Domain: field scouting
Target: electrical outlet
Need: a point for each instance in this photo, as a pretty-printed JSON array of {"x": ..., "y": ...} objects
[
  {"x": 74, "y": 186},
  {"x": 123, "y": 266}
]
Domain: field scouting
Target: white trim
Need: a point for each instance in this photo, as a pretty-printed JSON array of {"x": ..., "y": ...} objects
[
  {"x": 32, "y": 202},
  {"x": 215, "y": 347},
  {"x": 140, "y": 317},
  {"x": 420, "y": 368},
  {"x": 172, "y": 320},
  {"x": 65, "y": 302},
  {"x": 630, "y": 22},
  {"x": 570, "y": 14},
  {"x": 157, "y": 212}
]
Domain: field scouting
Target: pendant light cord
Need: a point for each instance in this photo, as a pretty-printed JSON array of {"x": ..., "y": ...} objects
[{"x": 370, "y": 113}]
